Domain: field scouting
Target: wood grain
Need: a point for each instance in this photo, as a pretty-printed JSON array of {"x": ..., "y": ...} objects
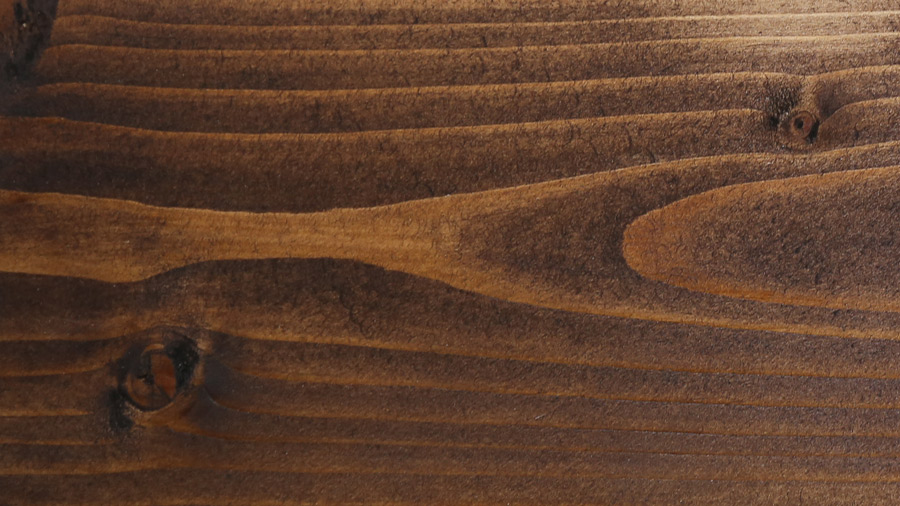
[
  {"x": 113, "y": 31},
  {"x": 782, "y": 261},
  {"x": 391, "y": 252}
]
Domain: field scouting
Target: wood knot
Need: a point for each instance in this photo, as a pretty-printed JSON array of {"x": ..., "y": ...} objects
[
  {"x": 155, "y": 377},
  {"x": 800, "y": 126}
]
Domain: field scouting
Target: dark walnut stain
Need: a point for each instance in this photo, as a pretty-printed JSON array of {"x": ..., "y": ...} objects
[{"x": 527, "y": 360}]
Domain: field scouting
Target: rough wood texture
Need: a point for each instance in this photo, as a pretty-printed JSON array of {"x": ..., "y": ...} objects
[{"x": 449, "y": 252}]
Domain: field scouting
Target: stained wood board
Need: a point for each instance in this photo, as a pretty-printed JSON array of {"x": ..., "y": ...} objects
[{"x": 469, "y": 252}]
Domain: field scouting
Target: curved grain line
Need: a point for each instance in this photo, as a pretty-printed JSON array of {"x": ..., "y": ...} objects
[
  {"x": 408, "y": 404},
  {"x": 12, "y": 413},
  {"x": 388, "y": 489},
  {"x": 15, "y": 366},
  {"x": 751, "y": 40},
  {"x": 411, "y": 133},
  {"x": 337, "y": 111},
  {"x": 397, "y": 68},
  {"x": 81, "y": 430},
  {"x": 464, "y": 353},
  {"x": 504, "y": 25},
  {"x": 450, "y": 387},
  {"x": 374, "y": 167},
  {"x": 50, "y": 395},
  {"x": 631, "y": 366},
  {"x": 469, "y": 474},
  {"x": 871, "y": 290},
  {"x": 114, "y": 31},
  {"x": 415, "y": 385},
  {"x": 662, "y": 442},
  {"x": 537, "y": 448},
  {"x": 44, "y": 374},
  {"x": 5, "y": 441},
  {"x": 107, "y": 357},
  {"x": 831, "y": 137},
  {"x": 573, "y": 188},
  {"x": 327, "y": 458},
  {"x": 435, "y": 11},
  {"x": 485, "y": 423},
  {"x": 344, "y": 111},
  {"x": 138, "y": 265}
]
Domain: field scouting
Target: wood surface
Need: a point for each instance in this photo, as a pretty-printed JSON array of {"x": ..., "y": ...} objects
[{"x": 449, "y": 252}]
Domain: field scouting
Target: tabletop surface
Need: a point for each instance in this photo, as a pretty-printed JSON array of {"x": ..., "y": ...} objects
[{"x": 449, "y": 252}]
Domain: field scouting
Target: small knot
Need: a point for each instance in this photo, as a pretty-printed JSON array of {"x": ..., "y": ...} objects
[
  {"x": 155, "y": 377},
  {"x": 150, "y": 382},
  {"x": 801, "y": 126}
]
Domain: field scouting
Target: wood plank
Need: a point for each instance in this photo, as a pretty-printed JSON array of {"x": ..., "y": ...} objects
[{"x": 467, "y": 252}]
